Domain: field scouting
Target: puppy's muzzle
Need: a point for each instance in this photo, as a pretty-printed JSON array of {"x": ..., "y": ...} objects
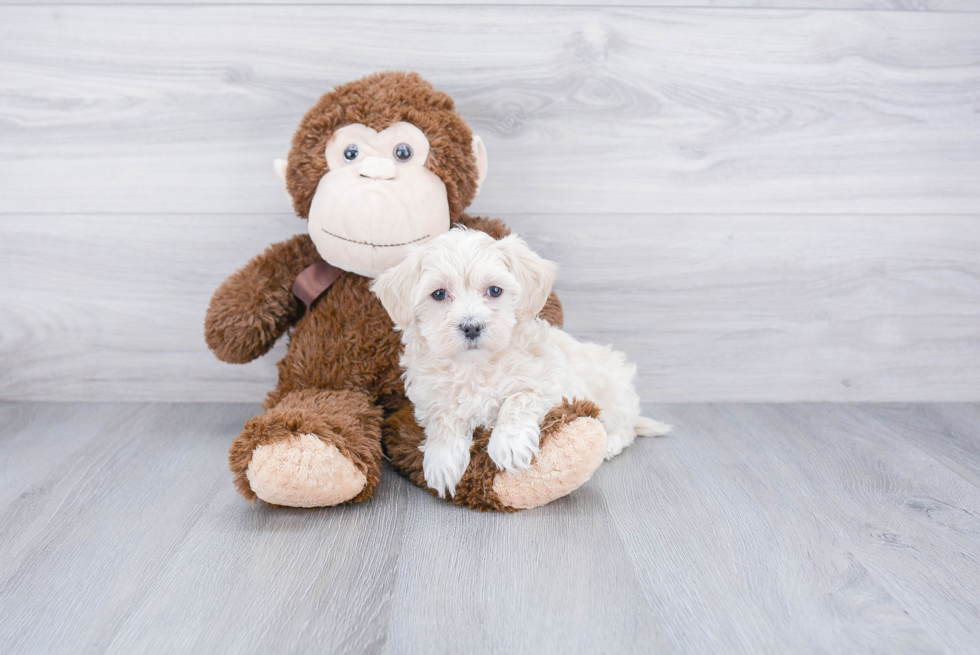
[{"x": 471, "y": 330}]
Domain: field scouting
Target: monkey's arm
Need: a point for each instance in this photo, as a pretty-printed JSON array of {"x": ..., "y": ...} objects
[
  {"x": 496, "y": 228},
  {"x": 256, "y": 305}
]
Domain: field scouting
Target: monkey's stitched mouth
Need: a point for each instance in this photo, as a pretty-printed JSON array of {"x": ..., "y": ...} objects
[{"x": 375, "y": 245}]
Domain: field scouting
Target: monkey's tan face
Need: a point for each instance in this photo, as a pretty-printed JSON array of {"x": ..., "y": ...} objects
[{"x": 378, "y": 198}]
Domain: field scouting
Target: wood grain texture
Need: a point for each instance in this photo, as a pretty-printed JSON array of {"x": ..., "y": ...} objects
[
  {"x": 517, "y": 594},
  {"x": 946, "y": 432},
  {"x": 888, "y": 531},
  {"x": 79, "y": 544},
  {"x": 174, "y": 109},
  {"x": 754, "y": 541},
  {"x": 755, "y": 204},
  {"x": 806, "y": 307},
  {"x": 33, "y": 443},
  {"x": 752, "y": 528},
  {"x": 96, "y": 305},
  {"x": 709, "y": 307},
  {"x": 908, "y": 512},
  {"x": 881, "y": 5}
]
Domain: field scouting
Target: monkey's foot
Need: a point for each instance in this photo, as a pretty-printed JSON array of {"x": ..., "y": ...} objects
[
  {"x": 572, "y": 446},
  {"x": 314, "y": 448},
  {"x": 303, "y": 471},
  {"x": 566, "y": 461}
]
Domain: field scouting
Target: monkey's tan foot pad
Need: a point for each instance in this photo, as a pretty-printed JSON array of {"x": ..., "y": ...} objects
[
  {"x": 303, "y": 471},
  {"x": 566, "y": 461}
]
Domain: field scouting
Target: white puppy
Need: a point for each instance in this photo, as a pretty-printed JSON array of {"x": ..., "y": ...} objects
[{"x": 476, "y": 354}]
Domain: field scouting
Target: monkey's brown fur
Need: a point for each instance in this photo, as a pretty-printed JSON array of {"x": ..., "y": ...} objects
[
  {"x": 475, "y": 489},
  {"x": 340, "y": 378},
  {"x": 379, "y": 101}
]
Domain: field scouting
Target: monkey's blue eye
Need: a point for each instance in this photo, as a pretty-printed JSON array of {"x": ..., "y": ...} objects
[
  {"x": 350, "y": 154},
  {"x": 403, "y": 152},
  {"x": 439, "y": 294},
  {"x": 493, "y": 292}
]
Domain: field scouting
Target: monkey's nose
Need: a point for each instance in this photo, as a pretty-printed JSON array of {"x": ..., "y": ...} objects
[
  {"x": 470, "y": 330},
  {"x": 378, "y": 168}
]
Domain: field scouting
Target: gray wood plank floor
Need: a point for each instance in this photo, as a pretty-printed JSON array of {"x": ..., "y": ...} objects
[{"x": 753, "y": 528}]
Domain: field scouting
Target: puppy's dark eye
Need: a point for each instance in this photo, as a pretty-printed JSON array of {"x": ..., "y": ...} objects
[
  {"x": 403, "y": 152},
  {"x": 350, "y": 153},
  {"x": 439, "y": 294},
  {"x": 493, "y": 292}
]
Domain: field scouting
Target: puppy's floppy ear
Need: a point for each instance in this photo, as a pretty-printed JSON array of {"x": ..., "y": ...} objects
[
  {"x": 394, "y": 288},
  {"x": 535, "y": 274}
]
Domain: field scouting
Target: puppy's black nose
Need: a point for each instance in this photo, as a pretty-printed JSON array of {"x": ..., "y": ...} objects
[{"x": 470, "y": 330}]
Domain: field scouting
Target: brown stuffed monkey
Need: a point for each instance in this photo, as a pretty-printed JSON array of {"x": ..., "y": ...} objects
[{"x": 376, "y": 166}]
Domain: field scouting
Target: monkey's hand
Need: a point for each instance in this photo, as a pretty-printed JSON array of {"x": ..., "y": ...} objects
[{"x": 256, "y": 305}]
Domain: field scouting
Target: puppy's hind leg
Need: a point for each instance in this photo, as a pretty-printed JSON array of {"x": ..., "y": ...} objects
[
  {"x": 647, "y": 427},
  {"x": 603, "y": 376},
  {"x": 622, "y": 429},
  {"x": 621, "y": 407}
]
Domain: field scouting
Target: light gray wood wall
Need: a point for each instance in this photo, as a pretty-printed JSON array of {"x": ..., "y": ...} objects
[
  {"x": 754, "y": 203},
  {"x": 881, "y": 5}
]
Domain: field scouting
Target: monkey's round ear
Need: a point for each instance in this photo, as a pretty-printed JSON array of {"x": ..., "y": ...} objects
[
  {"x": 480, "y": 152},
  {"x": 279, "y": 166}
]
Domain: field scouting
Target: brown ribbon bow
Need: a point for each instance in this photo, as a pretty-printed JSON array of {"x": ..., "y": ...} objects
[{"x": 314, "y": 281}]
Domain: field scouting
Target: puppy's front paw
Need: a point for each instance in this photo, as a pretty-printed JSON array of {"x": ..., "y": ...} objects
[
  {"x": 513, "y": 445},
  {"x": 444, "y": 464}
]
